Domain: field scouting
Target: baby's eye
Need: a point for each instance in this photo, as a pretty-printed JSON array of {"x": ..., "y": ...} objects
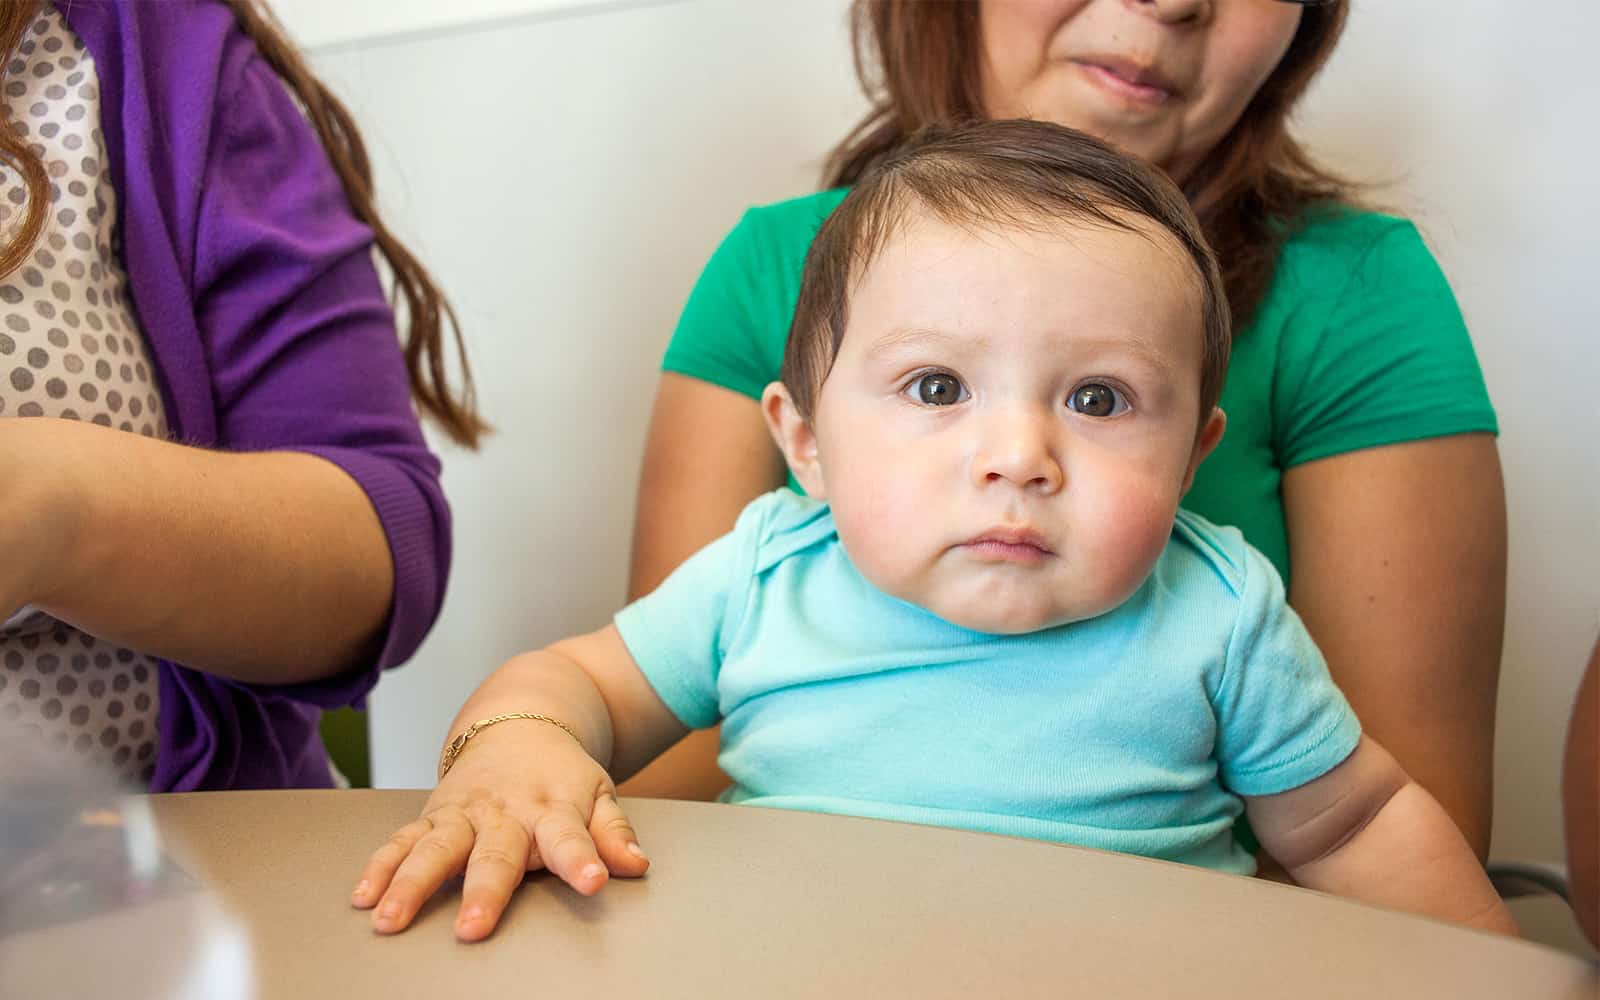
[
  {"x": 1096, "y": 399},
  {"x": 937, "y": 389}
]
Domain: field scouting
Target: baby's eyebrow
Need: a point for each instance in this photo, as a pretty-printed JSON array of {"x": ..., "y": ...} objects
[
  {"x": 906, "y": 338},
  {"x": 901, "y": 340},
  {"x": 1143, "y": 351}
]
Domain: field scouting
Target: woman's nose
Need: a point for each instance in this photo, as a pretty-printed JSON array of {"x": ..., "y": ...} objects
[
  {"x": 1019, "y": 447},
  {"x": 1174, "y": 11}
]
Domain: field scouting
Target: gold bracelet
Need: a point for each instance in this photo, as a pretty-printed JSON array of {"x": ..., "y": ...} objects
[{"x": 453, "y": 749}]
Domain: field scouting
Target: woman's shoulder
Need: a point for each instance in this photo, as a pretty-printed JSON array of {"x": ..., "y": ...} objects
[
  {"x": 1342, "y": 236},
  {"x": 1338, "y": 259},
  {"x": 783, "y": 230},
  {"x": 168, "y": 73},
  {"x": 734, "y": 326},
  {"x": 798, "y": 217},
  {"x": 158, "y": 37},
  {"x": 1363, "y": 341}
]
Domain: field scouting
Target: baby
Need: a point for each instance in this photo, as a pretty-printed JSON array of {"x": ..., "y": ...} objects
[{"x": 988, "y": 612}]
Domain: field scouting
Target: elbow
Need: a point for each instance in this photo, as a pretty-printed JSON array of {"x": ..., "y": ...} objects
[
  {"x": 420, "y": 552},
  {"x": 1316, "y": 820}
]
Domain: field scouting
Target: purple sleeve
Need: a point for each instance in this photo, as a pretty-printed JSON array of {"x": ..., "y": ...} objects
[{"x": 301, "y": 343}]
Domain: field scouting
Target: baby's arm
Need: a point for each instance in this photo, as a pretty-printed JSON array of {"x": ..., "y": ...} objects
[
  {"x": 1367, "y": 831},
  {"x": 523, "y": 794}
]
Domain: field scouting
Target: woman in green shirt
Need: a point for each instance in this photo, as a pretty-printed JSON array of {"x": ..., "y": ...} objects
[{"x": 1359, "y": 455}]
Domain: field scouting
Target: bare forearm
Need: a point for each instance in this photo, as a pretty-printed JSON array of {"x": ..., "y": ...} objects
[
  {"x": 268, "y": 567},
  {"x": 1411, "y": 856}
]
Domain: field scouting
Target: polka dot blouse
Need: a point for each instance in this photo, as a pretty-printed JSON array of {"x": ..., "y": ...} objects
[{"x": 70, "y": 348}]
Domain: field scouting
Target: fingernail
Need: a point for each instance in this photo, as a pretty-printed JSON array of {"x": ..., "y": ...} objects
[
  {"x": 361, "y": 888},
  {"x": 632, "y": 848},
  {"x": 592, "y": 871},
  {"x": 471, "y": 916},
  {"x": 388, "y": 911}
]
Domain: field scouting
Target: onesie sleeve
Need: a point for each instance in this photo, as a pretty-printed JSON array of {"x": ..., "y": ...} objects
[
  {"x": 680, "y": 632},
  {"x": 1281, "y": 720}
]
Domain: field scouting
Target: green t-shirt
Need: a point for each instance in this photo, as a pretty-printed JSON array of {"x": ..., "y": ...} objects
[{"x": 1359, "y": 343}]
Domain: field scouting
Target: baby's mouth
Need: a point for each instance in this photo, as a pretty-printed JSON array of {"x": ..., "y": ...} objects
[{"x": 1020, "y": 545}]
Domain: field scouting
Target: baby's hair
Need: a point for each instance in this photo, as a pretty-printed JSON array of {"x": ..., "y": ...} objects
[{"x": 1019, "y": 173}]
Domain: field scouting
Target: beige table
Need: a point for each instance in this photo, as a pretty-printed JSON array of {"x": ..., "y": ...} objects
[{"x": 762, "y": 903}]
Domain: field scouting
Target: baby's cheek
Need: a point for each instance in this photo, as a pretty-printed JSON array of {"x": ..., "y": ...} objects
[
  {"x": 1132, "y": 533},
  {"x": 873, "y": 530}
]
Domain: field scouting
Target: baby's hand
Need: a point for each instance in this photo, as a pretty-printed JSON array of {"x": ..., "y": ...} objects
[{"x": 493, "y": 819}]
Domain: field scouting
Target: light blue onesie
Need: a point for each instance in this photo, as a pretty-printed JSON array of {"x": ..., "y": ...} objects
[{"x": 1129, "y": 732}]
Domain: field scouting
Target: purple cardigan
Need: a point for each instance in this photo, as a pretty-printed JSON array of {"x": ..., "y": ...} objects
[{"x": 256, "y": 290}]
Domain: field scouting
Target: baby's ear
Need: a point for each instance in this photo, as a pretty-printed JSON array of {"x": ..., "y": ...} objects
[
  {"x": 794, "y": 436},
  {"x": 1204, "y": 442}
]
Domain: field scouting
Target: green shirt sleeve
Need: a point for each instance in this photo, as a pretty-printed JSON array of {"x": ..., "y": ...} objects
[
  {"x": 1380, "y": 354},
  {"x": 736, "y": 322}
]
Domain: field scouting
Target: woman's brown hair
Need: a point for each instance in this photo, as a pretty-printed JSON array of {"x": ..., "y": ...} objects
[
  {"x": 918, "y": 63},
  {"x": 423, "y": 305}
]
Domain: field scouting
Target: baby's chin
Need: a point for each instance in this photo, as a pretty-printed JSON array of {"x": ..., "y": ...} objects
[
  {"x": 1005, "y": 602},
  {"x": 1002, "y": 618}
]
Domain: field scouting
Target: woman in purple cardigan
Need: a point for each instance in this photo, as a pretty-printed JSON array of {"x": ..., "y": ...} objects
[{"x": 221, "y": 516}]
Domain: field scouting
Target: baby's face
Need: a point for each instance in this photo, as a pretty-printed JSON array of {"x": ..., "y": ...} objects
[{"x": 1011, "y": 420}]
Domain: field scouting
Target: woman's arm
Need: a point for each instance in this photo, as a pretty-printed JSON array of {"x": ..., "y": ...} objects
[
  {"x": 1398, "y": 561},
  {"x": 269, "y": 568},
  {"x": 708, "y": 454},
  {"x": 314, "y": 541},
  {"x": 1580, "y": 796}
]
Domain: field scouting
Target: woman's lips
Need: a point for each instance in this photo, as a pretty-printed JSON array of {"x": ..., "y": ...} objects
[{"x": 1128, "y": 80}]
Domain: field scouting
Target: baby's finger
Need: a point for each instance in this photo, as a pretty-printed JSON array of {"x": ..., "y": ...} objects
[
  {"x": 615, "y": 840},
  {"x": 567, "y": 850},
  {"x": 438, "y": 856},
  {"x": 501, "y": 857},
  {"x": 380, "y": 868}
]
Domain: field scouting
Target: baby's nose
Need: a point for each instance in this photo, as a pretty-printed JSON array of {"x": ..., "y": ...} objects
[{"x": 1019, "y": 448}]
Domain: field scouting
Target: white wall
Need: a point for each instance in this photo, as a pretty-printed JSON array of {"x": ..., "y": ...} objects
[
  {"x": 567, "y": 175},
  {"x": 328, "y": 27}
]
